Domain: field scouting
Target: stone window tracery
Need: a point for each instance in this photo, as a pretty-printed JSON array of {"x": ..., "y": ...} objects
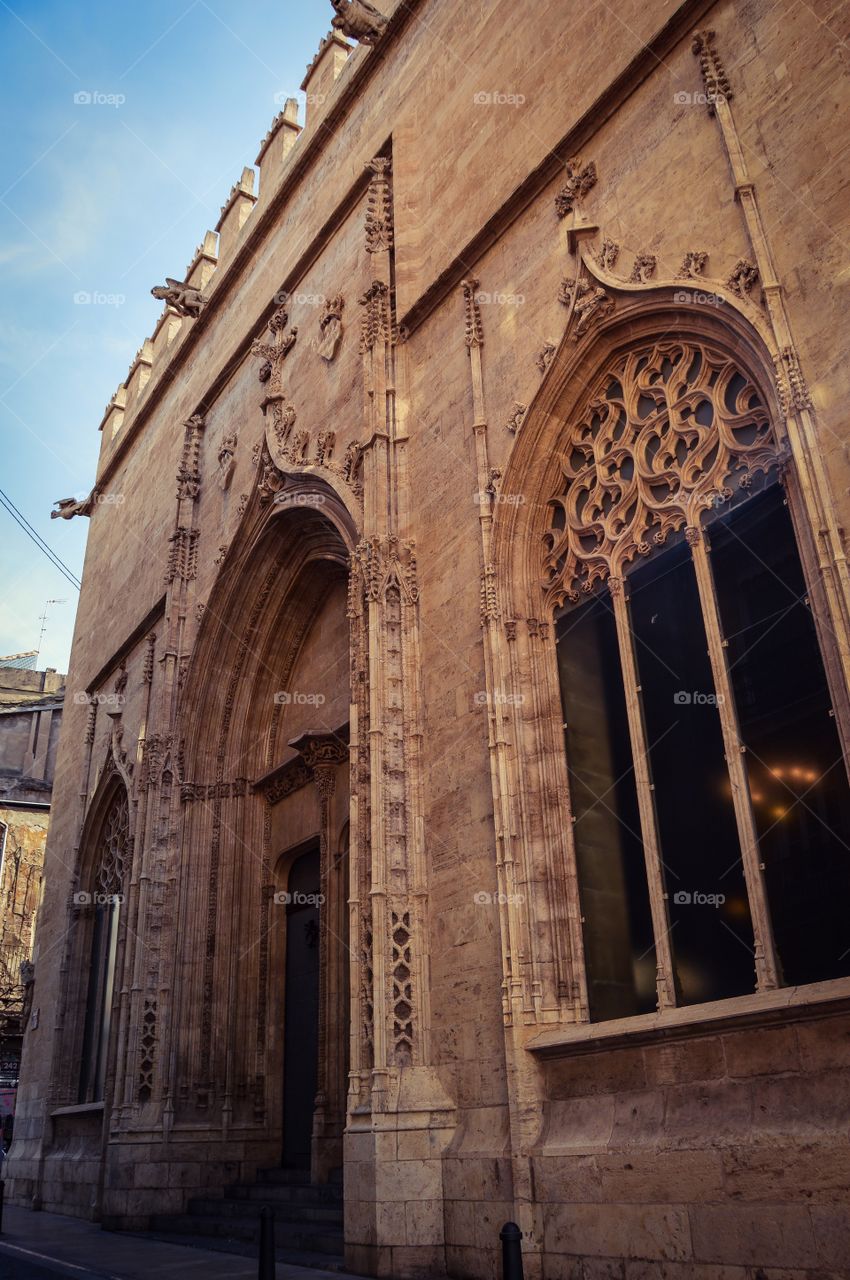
[
  {"x": 709, "y": 802},
  {"x": 103, "y": 904},
  {"x": 668, "y": 432}
]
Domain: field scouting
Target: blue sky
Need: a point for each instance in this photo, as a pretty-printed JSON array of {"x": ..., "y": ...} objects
[{"x": 107, "y": 198}]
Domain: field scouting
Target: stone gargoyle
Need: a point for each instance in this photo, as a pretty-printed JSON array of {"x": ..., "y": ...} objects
[
  {"x": 67, "y": 508},
  {"x": 184, "y": 298},
  {"x": 359, "y": 20}
]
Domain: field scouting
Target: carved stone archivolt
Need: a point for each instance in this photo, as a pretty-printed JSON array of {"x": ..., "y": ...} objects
[{"x": 667, "y": 432}]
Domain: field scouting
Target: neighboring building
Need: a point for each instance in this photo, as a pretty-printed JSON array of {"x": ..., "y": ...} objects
[
  {"x": 30, "y": 719},
  {"x": 516, "y": 397}
]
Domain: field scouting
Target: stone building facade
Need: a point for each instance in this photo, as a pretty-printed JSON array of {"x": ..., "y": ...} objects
[
  {"x": 30, "y": 719},
  {"x": 479, "y": 590}
]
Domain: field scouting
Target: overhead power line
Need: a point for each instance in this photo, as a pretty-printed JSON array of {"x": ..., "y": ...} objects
[{"x": 21, "y": 520}]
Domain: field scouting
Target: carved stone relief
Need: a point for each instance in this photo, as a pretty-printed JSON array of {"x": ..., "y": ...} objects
[{"x": 665, "y": 432}]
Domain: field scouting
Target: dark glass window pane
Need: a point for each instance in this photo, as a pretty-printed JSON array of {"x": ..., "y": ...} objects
[
  {"x": 797, "y": 777},
  {"x": 618, "y": 942},
  {"x": 711, "y": 932}
]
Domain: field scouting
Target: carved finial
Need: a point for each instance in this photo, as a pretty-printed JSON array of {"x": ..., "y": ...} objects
[
  {"x": 717, "y": 88},
  {"x": 376, "y": 321},
  {"x": 379, "y": 209},
  {"x": 359, "y": 20},
  {"x": 579, "y": 182},
  {"x": 472, "y": 313},
  {"x": 184, "y": 298}
]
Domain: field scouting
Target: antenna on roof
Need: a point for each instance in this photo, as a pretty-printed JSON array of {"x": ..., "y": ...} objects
[{"x": 43, "y": 621}]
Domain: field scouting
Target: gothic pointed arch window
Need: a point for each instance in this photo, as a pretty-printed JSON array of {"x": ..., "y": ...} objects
[
  {"x": 708, "y": 790},
  {"x": 103, "y": 899}
]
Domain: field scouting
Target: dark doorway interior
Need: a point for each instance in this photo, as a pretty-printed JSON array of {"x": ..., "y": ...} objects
[{"x": 301, "y": 1010}]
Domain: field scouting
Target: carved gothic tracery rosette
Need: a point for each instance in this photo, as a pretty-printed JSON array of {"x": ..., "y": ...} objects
[{"x": 669, "y": 431}]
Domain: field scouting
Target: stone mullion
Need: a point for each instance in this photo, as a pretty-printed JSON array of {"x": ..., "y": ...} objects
[
  {"x": 378, "y": 890},
  {"x": 664, "y": 970},
  {"x": 357, "y": 870},
  {"x": 799, "y": 421},
  {"x": 147, "y": 815},
  {"x": 766, "y": 959},
  {"x": 558, "y": 814},
  {"x": 563, "y": 925},
  {"x": 417, "y": 873}
]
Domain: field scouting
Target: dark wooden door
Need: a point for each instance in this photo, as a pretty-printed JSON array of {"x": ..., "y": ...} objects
[{"x": 301, "y": 1010}]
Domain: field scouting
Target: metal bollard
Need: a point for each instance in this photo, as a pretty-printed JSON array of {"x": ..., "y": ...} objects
[
  {"x": 266, "y": 1271},
  {"x": 510, "y": 1236}
]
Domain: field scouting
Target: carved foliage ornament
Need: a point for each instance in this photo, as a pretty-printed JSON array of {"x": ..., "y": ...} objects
[
  {"x": 666, "y": 432},
  {"x": 579, "y": 180}
]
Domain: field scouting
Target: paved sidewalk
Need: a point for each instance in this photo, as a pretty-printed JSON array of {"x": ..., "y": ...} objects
[{"x": 37, "y": 1246}]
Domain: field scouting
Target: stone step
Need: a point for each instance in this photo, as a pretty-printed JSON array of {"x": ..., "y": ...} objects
[
  {"x": 289, "y": 1236},
  {"x": 296, "y": 1257},
  {"x": 285, "y": 1177},
  {"x": 284, "y": 1210},
  {"x": 283, "y": 1194}
]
